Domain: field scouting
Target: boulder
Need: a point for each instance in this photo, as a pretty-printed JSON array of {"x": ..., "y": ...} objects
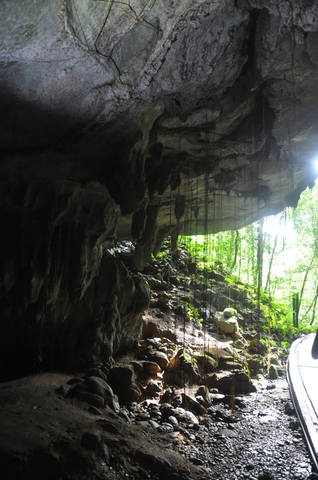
[
  {"x": 166, "y": 427},
  {"x": 204, "y": 394},
  {"x": 206, "y": 362},
  {"x": 273, "y": 372},
  {"x": 145, "y": 369},
  {"x": 101, "y": 387},
  {"x": 123, "y": 381},
  {"x": 174, "y": 422},
  {"x": 182, "y": 368},
  {"x": 167, "y": 410},
  {"x": 160, "y": 358},
  {"x": 257, "y": 345},
  {"x": 153, "y": 389},
  {"x": 227, "y": 325},
  {"x": 229, "y": 312},
  {"x": 185, "y": 416},
  {"x": 203, "y": 391},
  {"x": 236, "y": 382},
  {"x": 190, "y": 403},
  {"x": 217, "y": 398},
  {"x": 256, "y": 363},
  {"x": 96, "y": 372},
  {"x": 91, "y": 398}
]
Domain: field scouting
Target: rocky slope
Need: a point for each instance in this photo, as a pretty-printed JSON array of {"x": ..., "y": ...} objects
[{"x": 187, "y": 382}]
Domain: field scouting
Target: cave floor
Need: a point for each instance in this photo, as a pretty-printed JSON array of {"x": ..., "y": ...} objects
[{"x": 262, "y": 439}]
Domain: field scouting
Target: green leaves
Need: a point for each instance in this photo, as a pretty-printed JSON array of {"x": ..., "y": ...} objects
[
  {"x": 191, "y": 312},
  {"x": 289, "y": 262}
]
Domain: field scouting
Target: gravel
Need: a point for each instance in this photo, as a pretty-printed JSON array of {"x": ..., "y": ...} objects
[{"x": 263, "y": 440}]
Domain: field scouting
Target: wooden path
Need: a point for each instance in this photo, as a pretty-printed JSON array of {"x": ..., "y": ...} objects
[{"x": 302, "y": 375}]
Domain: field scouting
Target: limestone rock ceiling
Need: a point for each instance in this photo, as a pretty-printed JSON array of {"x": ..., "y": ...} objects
[
  {"x": 136, "y": 119},
  {"x": 202, "y": 112}
]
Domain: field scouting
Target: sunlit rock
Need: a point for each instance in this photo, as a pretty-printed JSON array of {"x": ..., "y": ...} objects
[
  {"x": 227, "y": 325},
  {"x": 229, "y": 312}
]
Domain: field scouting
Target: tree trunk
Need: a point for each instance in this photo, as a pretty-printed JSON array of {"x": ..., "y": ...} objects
[
  {"x": 304, "y": 281},
  {"x": 260, "y": 249},
  {"x": 237, "y": 236},
  {"x": 314, "y": 308},
  {"x": 254, "y": 272},
  {"x": 310, "y": 307},
  {"x": 271, "y": 264},
  {"x": 295, "y": 309}
]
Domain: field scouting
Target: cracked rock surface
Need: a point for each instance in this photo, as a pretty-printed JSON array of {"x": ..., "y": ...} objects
[{"x": 213, "y": 102}]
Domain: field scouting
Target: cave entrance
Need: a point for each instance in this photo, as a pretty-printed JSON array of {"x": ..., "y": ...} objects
[
  {"x": 273, "y": 262},
  {"x": 239, "y": 298}
]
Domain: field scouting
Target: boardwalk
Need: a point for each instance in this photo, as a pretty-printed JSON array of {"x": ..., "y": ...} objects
[{"x": 302, "y": 374}]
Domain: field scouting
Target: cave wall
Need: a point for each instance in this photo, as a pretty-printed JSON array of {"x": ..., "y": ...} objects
[
  {"x": 133, "y": 120},
  {"x": 67, "y": 300}
]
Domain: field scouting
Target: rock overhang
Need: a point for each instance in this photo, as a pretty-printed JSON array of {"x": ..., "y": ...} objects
[
  {"x": 211, "y": 101},
  {"x": 135, "y": 120}
]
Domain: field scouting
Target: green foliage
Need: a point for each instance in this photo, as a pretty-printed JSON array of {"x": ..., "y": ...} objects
[
  {"x": 192, "y": 313},
  {"x": 289, "y": 257},
  {"x": 190, "y": 360},
  {"x": 161, "y": 254}
]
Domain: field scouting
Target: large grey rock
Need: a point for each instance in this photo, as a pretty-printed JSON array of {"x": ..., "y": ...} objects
[
  {"x": 229, "y": 326},
  {"x": 185, "y": 416},
  {"x": 98, "y": 386},
  {"x": 190, "y": 403},
  {"x": 122, "y": 379}
]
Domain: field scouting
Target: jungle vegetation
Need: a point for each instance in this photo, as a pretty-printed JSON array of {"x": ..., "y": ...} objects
[{"x": 276, "y": 258}]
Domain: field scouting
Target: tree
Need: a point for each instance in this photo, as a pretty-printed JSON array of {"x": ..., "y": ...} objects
[
  {"x": 260, "y": 250},
  {"x": 236, "y": 242},
  {"x": 271, "y": 264},
  {"x": 283, "y": 247}
]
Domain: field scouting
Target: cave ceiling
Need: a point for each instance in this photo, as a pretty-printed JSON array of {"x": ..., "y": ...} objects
[{"x": 195, "y": 115}]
